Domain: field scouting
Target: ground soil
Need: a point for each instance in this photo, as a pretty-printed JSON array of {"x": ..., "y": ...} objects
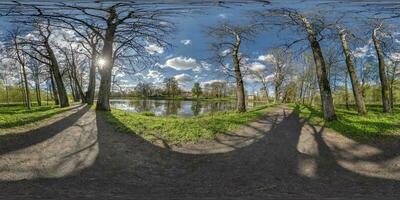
[{"x": 81, "y": 156}]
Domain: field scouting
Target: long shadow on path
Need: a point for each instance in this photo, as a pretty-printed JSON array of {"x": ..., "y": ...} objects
[{"x": 293, "y": 159}]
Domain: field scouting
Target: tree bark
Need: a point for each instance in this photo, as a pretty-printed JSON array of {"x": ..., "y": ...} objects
[
  {"x": 54, "y": 88},
  {"x": 265, "y": 87},
  {"x": 346, "y": 92},
  {"x": 323, "y": 82},
  {"x": 241, "y": 99},
  {"x": 358, "y": 97},
  {"x": 62, "y": 93},
  {"x": 382, "y": 72},
  {"x": 103, "y": 101},
  {"x": 37, "y": 89},
  {"x": 21, "y": 61},
  {"x": 278, "y": 82},
  {"x": 26, "y": 88},
  {"x": 71, "y": 85},
  {"x": 92, "y": 79}
]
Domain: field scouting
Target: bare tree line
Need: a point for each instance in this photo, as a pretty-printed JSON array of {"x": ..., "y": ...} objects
[{"x": 114, "y": 35}]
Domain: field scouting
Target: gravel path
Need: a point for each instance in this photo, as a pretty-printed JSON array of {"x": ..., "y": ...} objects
[{"x": 278, "y": 157}]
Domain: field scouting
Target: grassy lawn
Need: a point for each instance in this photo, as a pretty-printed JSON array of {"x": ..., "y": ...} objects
[
  {"x": 174, "y": 130},
  {"x": 375, "y": 125},
  {"x": 16, "y": 115}
]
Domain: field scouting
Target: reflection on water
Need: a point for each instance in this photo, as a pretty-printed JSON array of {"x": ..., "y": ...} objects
[
  {"x": 176, "y": 107},
  {"x": 65, "y": 152}
]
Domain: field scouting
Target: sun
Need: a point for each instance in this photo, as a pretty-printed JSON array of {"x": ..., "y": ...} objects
[{"x": 101, "y": 62}]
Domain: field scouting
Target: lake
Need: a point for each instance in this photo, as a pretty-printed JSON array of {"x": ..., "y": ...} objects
[{"x": 176, "y": 107}]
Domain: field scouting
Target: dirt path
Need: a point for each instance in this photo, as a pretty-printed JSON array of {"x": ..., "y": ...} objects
[{"x": 280, "y": 156}]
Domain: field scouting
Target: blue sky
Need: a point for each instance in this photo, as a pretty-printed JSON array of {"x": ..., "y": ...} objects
[
  {"x": 189, "y": 58},
  {"x": 193, "y": 28}
]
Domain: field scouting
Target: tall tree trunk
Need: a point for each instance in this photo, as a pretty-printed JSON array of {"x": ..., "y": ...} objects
[
  {"x": 54, "y": 88},
  {"x": 304, "y": 95},
  {"x": 265, "y": 87},
  {"x": 21, "y": 61},
  {"x": 323, "y": 82},
  {"x": 79, "y": 90},
  {"x": 392, "y": 80},
  {"x": 62, "y": 93},
  {"x": 71, "y": 85},
  {"x": 358, "y": 97},
  {"x": 103, "y": 101},
  {"x": 7, "y": 99},
  {"x": 92, "y": 79},
  {"x": 37, "y": 91},
  {"x": 76, "y": 85},
  {"x": 346, "y": 92},
  {"x": 26, "y": 88},
  {"x": 241, "y": 102},
  {"x": 301, "y": 91},
  {"x": 278, "y": 82},
  {"x": 382, "y": 73}
]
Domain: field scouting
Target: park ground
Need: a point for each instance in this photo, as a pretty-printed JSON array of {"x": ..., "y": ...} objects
[{"x": 281, "y": 154}]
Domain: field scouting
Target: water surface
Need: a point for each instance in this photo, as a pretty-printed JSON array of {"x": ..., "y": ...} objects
[{"x": 176, "y": 107}]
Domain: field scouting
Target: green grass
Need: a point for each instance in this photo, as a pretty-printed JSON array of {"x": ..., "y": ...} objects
[
  {"x": 375, "y": 125},
  {"x": 16, "y": 115},
  {"x": 175, "y": 130}
]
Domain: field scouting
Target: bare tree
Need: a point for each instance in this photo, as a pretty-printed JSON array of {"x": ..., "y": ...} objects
[
  {"x": 125, "y": 29},
  {"x": 361, "y": 109},
  {"x": 313, "y": 28},
  {"x": 281, "y": 60},
  {"x": 22, "y": 61},
  {"x": 264, "y": 77},
  {"x": 36, "y": 69},
  {"x": 228, "y": 39},
  {"x": 40, "y": 47},
  {"x": 377, "y": 32}
]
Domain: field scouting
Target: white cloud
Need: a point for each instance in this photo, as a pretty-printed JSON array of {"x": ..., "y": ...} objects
[
  {"x": 269, "y": 78},
  {"x": 364, "y": 51},
  {"x": 183, "y": 78},
  {"x": 213, "y": 81},
  {"x": 186, "y": 42},
  {"x": 153, "y": 49},
  {"x": 225, "y": 52},
  {"x": 203, "y": 66},
  {"x": 252, "y": 78},
  {"x": 361, "y": 52},
  {"x": 256, "y": 67},
  {"x": 154, "y": 74},
  {"x": 222, "y": 15},
  {"x": 266, "y": 58},
  {"x": 180, "y": 63}
]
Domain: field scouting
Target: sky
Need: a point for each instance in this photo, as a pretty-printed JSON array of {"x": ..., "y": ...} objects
[{"x": 189, "y": 57}]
